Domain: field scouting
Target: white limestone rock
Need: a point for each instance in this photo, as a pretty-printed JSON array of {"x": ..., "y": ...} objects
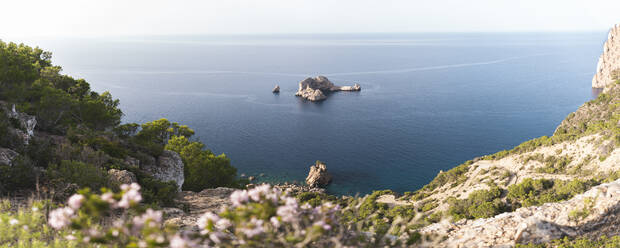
[
  {"x": 7, "y": 156},
  {"x": 169, "y": 167},
  {"x": 609, "y": 62},
  {"x": 537, "y": 224},
  {"x": 122, "y": 176}
]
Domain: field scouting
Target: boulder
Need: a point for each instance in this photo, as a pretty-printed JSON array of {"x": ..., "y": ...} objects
[
  {"x": 168, "y": 167},
  {"x": 314, "y": 88},
  {"x": 276, "y": 89},
  {"x": 122, "y": 176},
  {"x": 7, "y": 156},
  {"x": 318, "y": 175}
]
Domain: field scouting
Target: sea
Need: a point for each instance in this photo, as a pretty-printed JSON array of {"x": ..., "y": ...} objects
[{"x": 429, "y": 101}]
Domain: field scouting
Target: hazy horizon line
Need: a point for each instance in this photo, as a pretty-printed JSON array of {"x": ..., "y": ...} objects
[{"x": 309, "y": 33}]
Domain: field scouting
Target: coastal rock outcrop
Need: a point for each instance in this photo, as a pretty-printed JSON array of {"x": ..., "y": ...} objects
[
  {"x": 318, "y": 175},
  {"x": 608, "y": 67},
  {"x": 276, "y": 89},
  {"x": 589, "y": 214},
  {"x": 122, "y": 176},
  {"x": 314, "y": 88},
  {"x": 7, "y": 156},
  {"x": 169, "y": 167}
]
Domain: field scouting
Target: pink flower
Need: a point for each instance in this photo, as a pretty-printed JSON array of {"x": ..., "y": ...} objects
[
  {"x": 239, "y": 197},
  {"x": 13, "y": 222},
  {"x": 275, "y": 222},
  {"x": 131, "y": 196},
  {"x": 258, "y": 191},
  {"x": 109, "y": 198},
  {"x": 216, "y": 237},
  {"x": 75, "y": 201},
  {"x": 61, "y": 217},
  {"x": 255, "y": 230},
  {"x": 323, "y": 225},
  {"x": 182, "y": 242},
  {"x": 223, "y": 223},
  {"x": 203, "y": 221},
  {"x": 150, "y": 216}
]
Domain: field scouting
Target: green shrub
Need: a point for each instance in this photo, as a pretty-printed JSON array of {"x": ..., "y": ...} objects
[
  {"x": 21, "y": 175},
  {"x": 554, "y": 164},
  {"x": 579, "y": 214},
  {"x": 41, "y": 152},
  {"x": 155, "y": 191},
  {"x": 27, "y": 227},
  {"x": 315, "y": 198},
  {"x": 479, "y": 204},
  {"x": 568, "y": 242},
  {"x": 82, "y": 174},
  {"x": 455, "y": 175},
  {"x": 112, "y": 148},
  {"x": 532, "y": 192},
  {"x": 203, "y": 169}
]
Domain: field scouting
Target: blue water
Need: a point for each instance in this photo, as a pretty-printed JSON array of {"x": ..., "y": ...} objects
[{"x": 428, "y": 102}]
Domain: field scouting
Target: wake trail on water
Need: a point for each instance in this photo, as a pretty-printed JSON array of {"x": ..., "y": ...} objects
[
  {"x": 437, "y": 67},
  {"x": 402, "y": 70}
]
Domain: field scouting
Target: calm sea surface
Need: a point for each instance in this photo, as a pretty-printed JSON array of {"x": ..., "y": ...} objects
[{"x": 428, "y": 102}]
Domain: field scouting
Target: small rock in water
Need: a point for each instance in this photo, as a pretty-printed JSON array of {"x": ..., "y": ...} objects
[{"x": 318, "y": 175}]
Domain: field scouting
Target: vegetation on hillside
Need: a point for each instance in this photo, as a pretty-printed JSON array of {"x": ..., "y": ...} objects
[{"x": 79, "y": 135}]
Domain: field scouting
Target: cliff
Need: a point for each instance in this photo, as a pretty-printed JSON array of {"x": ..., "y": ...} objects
[
  {"x": 545, "y": 189},
  {"x": 608, "y": 67}
]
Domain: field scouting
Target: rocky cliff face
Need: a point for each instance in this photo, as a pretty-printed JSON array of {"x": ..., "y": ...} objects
[
  {"x": 593, "y": 213},
  {"x": 583, "y": 148},
  {"x": 608, "y": 67}
]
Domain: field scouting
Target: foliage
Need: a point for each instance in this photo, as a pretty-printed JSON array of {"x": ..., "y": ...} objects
[
  {"x": 315, "y": 198},
  {"x": 28, "y": 78},
  {"x": 154, "y": 135},
  {"x": 260, "y": 217},
  {"x": 532, "y": 192},
  {"x": 82, "y": 174},
  {"x": 156, "y": 191},
  {"x": 567, "y": 242},
  {"x": 20, "y": 175},
  {"x": 479, "y": 204},
  {"x": 553, "y": 164},
  {"x": 578, "y": 214},
  {"x": 27, "y": 227},
  {"x": 203, "y": 169},
  {"x": 455, "y": 175}
]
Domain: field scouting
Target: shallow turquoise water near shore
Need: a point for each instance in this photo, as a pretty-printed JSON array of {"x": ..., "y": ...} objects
[{"x": 428, "y": 102}]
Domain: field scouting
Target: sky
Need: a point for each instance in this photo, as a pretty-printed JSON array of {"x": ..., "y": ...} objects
[{"x": 157, "y": 17}]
